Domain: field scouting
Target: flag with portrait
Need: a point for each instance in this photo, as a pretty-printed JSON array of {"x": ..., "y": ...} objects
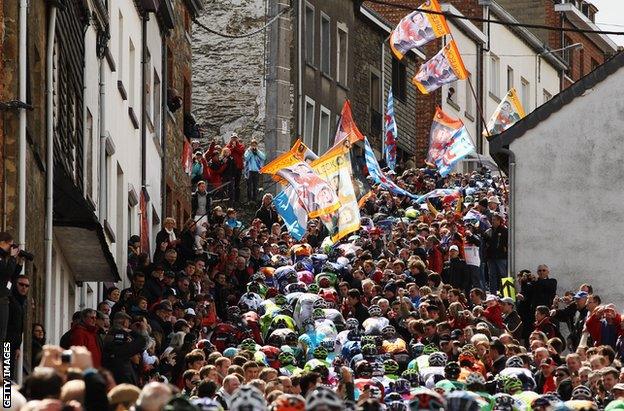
[
  {"x": 443, "y": 128},
  {"x": 347, "y": 127},
  {"x": 508, "y": 112},
  {"x": 390, "y": 134},
  {"x": 443, "y": 68},
  {"x": 294, "y": 215},
  {"x": 418, "y": 28}
]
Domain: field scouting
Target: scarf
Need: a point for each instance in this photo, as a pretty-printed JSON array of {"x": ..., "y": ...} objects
[{"x": 172, "y": 236}]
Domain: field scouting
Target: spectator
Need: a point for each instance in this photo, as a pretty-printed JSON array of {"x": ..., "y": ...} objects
[
  {"x": 17, "y": 308},
  {"x": 197, "y": 169},
  {"x": 495, "y": 240},
  {"x": 575, "y": 313},
  {"x": 237, "y": 150},
  {"x": 229, "y": 173},
  {"x": 254, "y": 161},
  {"x": 266, "y": 213},
  {"x": 10, "y": 268},
  {"x": 513, "y": 322},
  {"x": 166, "y": 239},
  {"x": 200, "y": 204},
  {"x": 123, "y": 342},
  {"x": 85, "y": 334},
  {"x": 38, "y": 341}
]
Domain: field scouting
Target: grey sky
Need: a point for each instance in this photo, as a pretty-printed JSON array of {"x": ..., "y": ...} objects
[{"x": 611, "y": 17}]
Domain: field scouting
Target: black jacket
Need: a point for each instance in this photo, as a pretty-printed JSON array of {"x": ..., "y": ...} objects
[
  {"x": 575, "y": 322},
  {"x": 496, "y": 243},
  {"x": 540, "y": 292},
  {"x": 194, "y": 203},
  {"x": 9, "y": 269},
  {"x": 456, "y": 273},
  {"x": 15, "y": 326},
  {"x": 160, "y": 330},
  {"x": 267, "y": 215},
  {"x": 119, "y": 347},
  {"x": 153, "y": 289}
]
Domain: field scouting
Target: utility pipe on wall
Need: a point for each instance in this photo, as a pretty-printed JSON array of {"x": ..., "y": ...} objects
[{"x": 511, "y": 241}]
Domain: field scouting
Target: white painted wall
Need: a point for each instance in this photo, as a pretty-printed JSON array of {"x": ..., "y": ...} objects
[
  {"x": 513, "y": 52},
  {"x": 570, "y": 190}
]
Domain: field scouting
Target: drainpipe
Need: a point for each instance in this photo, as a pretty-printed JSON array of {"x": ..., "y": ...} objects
[
  {"x": 163, "y": 130},
  {"x": 143, "y": 116},
  {"x": 49, "y": 164},
  {"x": 102, "y": 114},
  {"x": 300, "y": 66},
  {"x": 511, "y": 241},
  {"x": 21, "y": 224}
]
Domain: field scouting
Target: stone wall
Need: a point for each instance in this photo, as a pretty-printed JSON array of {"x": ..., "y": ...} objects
[
  {"x": 228, "y": 74},
  {"x": 178, "y": 183}
]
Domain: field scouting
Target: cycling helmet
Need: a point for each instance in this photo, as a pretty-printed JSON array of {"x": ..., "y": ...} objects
[
  {"x": 392, "y": 397},
  {"x": 319, "y": 303},
  {"x": 230, "y": 352},
  {"x": 248, "y": 344},
  {"x": 401, "y": 385},
  {"x": 390, "y": 367},
  {"x": 475, "y": 378},
  {"x": 417, "y": 349},
  {"x": 280, "y": 299},
  {"x": 368, "y": 339},
  {"x": 320, "y": 353},
  {"x": 313, "y": 288},
  {"x": 295, "y": 288},
  {"x": 503, "y": 402},
  {"x": 286, "y": 358},
  {"x": 247, "y": 398},
  {"x": 286, "y": 310},
  {"x": 318, "y": 314},
  {"x": 254, "y": 287},
  {"x": 207, "y": 404},
  {"x": 426, "y": 400},
  {"x": 369, "y": 350},
  {"x": 378, "y": 340},
  {"x": 374, "y": 311},
  {"x": 462, "y": 400},
  {"x": 437, "y": 359},
  {"x": 514, "y": 361},
  {"x": 323, "y": 398},
  {"x": 430, "y": 349},
  {"x": 291, "y": 338},
  {"x": 469, "y": 349},
  {"x": 288, "y": 402},
  {"x": 363, "y": 369},
  {"x": 352, "y": 323},
  {"x": 328, "y": 343},
  {"x": 378, "y": 369},
  {"x": 581, "y": 392},
  {"x": 388, "y": 331},
  {"x": 452, "y": 370},
  {"x": 233, "y": 312},
  {"x": 412, "y": 376},
  {"x": 275, "y": 340},
  {"x": 259, "y": 277},
  {"x": 512, "y": 385}
]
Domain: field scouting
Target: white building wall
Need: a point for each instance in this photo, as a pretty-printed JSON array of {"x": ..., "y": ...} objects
[
  {"x": 569, "y": 193},
  {"x": 513, "y": 52}
]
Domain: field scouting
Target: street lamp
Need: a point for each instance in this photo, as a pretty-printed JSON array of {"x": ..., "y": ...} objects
[{"x": 538, "y": 63}]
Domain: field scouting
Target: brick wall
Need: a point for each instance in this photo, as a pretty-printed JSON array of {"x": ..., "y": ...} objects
[
  {"x": 177, "y": 181},
  {"x": 581, "y": 59}
]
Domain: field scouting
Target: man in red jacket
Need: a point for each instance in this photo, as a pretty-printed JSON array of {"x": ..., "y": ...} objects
[
  {"x": 237, "y": 150},
  {"x": 85, "y": 334}
]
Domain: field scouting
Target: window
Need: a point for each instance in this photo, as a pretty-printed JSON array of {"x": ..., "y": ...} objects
[
  {"x": 157, "y": 104},
  {"x": 186, "y": 99},
  {"x": 308, "y": 122},
  {"x": 309, "y": 33},
  {"x": 594, "y": 64},
  {"x": 399, "y": 80},
  {"x": 342, "y": 58},
  {"x": 469, "y": 98},
  {"x": 582, "y": 62},
  {"x": 131, "y": 67},
  {"x": 567, "y": 52},
  {"x": 325, "y": 44},
  {"x": 510, "y": 78},
  {"x": 324, "y": 130},
  {"x": 376, "y": 118},
  {"x": 169, "y": 68},
  {"x": 495, "y": 75},
  {"x": 451, "y": 95},
  {"x": 525, "y": 95},
  {"x": 546, "y": 96},
  {"x": 148, "y": 86},
  {"x": 120, "y": 47}
]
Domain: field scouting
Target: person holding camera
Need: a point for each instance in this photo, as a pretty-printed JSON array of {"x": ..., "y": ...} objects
[
  {"x": 237, "y": 152},
  {"x": 124, "y": 340},
  {"x": 254, "y": 161},
  {"x": 10, "y": 267}
]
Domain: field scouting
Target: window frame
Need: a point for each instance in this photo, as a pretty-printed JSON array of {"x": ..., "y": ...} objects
[
  {"x": 325, "y": 59},
  {"x": 494, "y": 66},
  {"x": 324, "y": 143},
  {"x": 399, "y": 80},
  {"x": 309, "y": 35},
  {"x": 342, "y": 73},
  {"x": 525, "y": 94},
  {"x": 308, "y": 138}
]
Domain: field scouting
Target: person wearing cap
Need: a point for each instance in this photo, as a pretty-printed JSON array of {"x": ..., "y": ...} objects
[
  {"x": 493, "y": 204},
  {"x": 564, "y": 382},
  {"x": 618, "y": 391},
  {"x": 495, "y": 243},
  {"x": 455, "y": 271},
  {"x": 124, "y": 341},
  {"x": 122, "y": 397},
  {"x": 493, "y": 312},
  {"x": 511, "y": 318},
  {"x": 545, "y": 377},
  {"x": 573, "y": 314},
  {"x": 159, "y": 321}
]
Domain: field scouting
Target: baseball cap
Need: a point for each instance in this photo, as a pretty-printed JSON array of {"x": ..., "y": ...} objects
[
  {"x": 453, "y": 248},
  {"x": 580, "y": 295},
  {"x": 618, "y": 386},
  {"x": 190, "y": 311},
  {"x": 507, "y": 300},
  {"x": 120, "y": 315},
  {"x": 123, "y": 393},
  {"x": 493, "y": 199},
  {"x": 491, "y": 297},
  {"x": 163, "y": 305},
  {"x": 548, "y": 361}
]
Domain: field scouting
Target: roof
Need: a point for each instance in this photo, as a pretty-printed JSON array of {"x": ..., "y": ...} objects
[
  {"x": 543, "y": 112},
  {"x": 391, "y": 15}
]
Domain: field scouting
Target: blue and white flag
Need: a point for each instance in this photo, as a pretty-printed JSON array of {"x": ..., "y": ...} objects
[
  {"x": 294, "y": 215},
  {"x": 378, "y": 176},
  {"x": 390, "y": 134},
  {"x": 460, "y": 147}
]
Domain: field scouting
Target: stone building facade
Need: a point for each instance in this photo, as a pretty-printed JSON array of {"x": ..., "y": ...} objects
[{"x": 179, "y": 80}]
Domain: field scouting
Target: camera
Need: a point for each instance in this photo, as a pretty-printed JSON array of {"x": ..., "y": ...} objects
[
  {"x": 66, "y": 356},
  {"x": 24, "y": 254}
]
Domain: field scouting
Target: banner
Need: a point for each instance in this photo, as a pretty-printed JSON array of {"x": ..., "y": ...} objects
[
  {"x": 417, "y": 29},
  {"x": 378, "y": 176},
  {"x": 391, "y": 134},
  {"x": 347, "y": 127},
  {"x": 508, "y": 112},
  {"x": 460, "y": 147},
  {"x": 187, "y": 157},
  {"x": 448, "y": 195},
  {"x": 359, "y": 171},
  {"x": 335, "y": 168},
  {"x": 302, "y": 152},
  {"x": 289, "y": 208},
  {"x": 316, "y": 195},
  {"x": 443, "y": 128},
  {"x": 445, "y": 67}
]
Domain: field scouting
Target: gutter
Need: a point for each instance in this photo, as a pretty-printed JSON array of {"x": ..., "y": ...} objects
[
  {"x": 49, "y": 201},
  {"x": 511, "y": 240},
  {"x": 143, "y": 114}
]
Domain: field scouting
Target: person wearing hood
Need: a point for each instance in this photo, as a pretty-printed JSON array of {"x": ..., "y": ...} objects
[
  {"x": 17, "y": 308},
  {"x": 85, "y": 333}
]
